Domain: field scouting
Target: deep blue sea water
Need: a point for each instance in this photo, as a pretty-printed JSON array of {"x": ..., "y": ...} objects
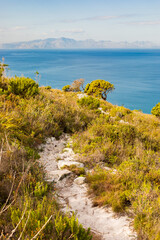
[{"x": 135, "y": 73}]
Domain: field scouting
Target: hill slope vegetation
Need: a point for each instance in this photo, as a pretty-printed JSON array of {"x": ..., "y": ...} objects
[{"x": 120, "y": 146}]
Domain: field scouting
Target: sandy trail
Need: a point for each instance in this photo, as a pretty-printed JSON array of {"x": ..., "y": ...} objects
[{"x": 72, "y": 194}]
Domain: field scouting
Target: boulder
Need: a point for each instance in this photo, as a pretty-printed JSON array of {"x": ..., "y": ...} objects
[
  {"x": 58, "y": 175},
  {"x": 62, "y": 164}
]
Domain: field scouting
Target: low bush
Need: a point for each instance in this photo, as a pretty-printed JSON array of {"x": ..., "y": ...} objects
[
  {"x": 24, "y": 87},
  {"x": 48, "y": 87},
  {"x": 66, "y": 88},
  {"x": 119, "y": 112},
  {"x": 69, "y": 228},
  {"x": 89, "y": 102},
  {"x": 156, "y": 110}
]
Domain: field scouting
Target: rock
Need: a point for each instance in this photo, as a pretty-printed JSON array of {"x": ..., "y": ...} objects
[
  {"x": 106, "y": 113},
  {"x": 79, "y": 180},
  {"x": 81, "y": 95},
  {"x": 122, "y": 121},
  {"x": 107, "y": 168},
  {"x": 67, "y": 154},
  {"x": 58, "y": 175},
  {"x": 68, "y": 150},
  {"x": 62, "y": 164},
  {"x": 114, "y": 171}
]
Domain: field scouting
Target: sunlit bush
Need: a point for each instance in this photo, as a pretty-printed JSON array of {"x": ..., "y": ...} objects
[
  {"x": 89, "y": 102},
  {"x": 156, "y": 110},
  {"x": 24, "y": 87}
]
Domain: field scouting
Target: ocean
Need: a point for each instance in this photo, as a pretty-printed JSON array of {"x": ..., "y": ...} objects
[{"x": 134, "y": 73}]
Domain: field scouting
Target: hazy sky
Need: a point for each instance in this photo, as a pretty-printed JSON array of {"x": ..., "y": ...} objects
[{"x": 115, "y": 20}]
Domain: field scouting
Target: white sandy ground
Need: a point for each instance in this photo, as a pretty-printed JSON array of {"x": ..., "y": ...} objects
[{"x": 72, "y": 194}]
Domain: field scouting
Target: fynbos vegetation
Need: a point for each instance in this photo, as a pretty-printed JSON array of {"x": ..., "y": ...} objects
[
  {"x": 156, "y": 110},
  {"x": 28, "y": 114},
  {"x": 122, "y": 147}
]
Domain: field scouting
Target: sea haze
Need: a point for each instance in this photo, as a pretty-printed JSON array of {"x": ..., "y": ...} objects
[{"x": 135, "y": 73}]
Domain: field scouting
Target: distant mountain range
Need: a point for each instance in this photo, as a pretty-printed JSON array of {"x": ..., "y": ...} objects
[{"x": 67, "y": 43}]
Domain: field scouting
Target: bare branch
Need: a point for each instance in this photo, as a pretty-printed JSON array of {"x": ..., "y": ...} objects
[
  {"x": 42, "y": 228},
  {"x": 2, "y": 235},
  {"x": 70, "y": 236},
  {"x": 22, "y": 178},
  {"x": 77, "y": 85},
  {"x": 1, "y": 153},
  {"x": 16, "y": 192},
  {"x": 8, "y": 195},
  {"x": 7, "y": 141},
  {"x": 14, "y": 230},
  {"x": 25, "y": 225},
  {"x": 8, "y": 206}
]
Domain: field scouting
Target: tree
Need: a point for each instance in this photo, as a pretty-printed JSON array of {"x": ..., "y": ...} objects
[
  {"x": 75, "y": 86},
  {"x": 156, "y": 110},
  {"x": 99, "y": 88}
]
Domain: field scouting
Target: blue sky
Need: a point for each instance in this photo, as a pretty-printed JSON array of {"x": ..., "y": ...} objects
[{"x": 115, "y": 20}]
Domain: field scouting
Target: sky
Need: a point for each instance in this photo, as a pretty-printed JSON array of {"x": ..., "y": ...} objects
[{"x": 114, "y": 20}]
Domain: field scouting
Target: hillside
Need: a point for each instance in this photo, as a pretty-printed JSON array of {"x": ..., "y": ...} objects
[
  {"x": 119, "y": 147},
  {"x": 68, "y": 43}
]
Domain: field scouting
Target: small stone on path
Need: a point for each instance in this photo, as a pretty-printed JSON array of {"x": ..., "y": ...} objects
[{"x": 79, "y": 180}]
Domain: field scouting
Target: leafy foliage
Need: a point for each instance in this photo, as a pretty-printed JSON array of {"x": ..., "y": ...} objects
[
  {"x": 48, "y": 87},
  {"x": 67, "y": 88},
  {"x": 76, "y": 231},
  {"x": 24, "y": 87},
  {"x": 99, "y": 88},
  {"x": 89, "y": 102},
  {"x": 156, "y": 110}
]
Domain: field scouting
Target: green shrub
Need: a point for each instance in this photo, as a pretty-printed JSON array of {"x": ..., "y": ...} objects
[
  {"x": 67, "y": 88},
  {"x": 3, "y": 84},
  {"x": 89, "y": 102},
  {"x": 99, "y": 88},
  {"x": 48, "y": 87},
  {"x": 36, "y": 213},
  {"x": 156, "y": 110},
  {"x": 24, "y": 87},
  {"x": 70, "y": 228},
  {"x": 119, "y": 111}
]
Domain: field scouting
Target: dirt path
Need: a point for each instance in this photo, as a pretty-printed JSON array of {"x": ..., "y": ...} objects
[{"x": 72, "y": 193}]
